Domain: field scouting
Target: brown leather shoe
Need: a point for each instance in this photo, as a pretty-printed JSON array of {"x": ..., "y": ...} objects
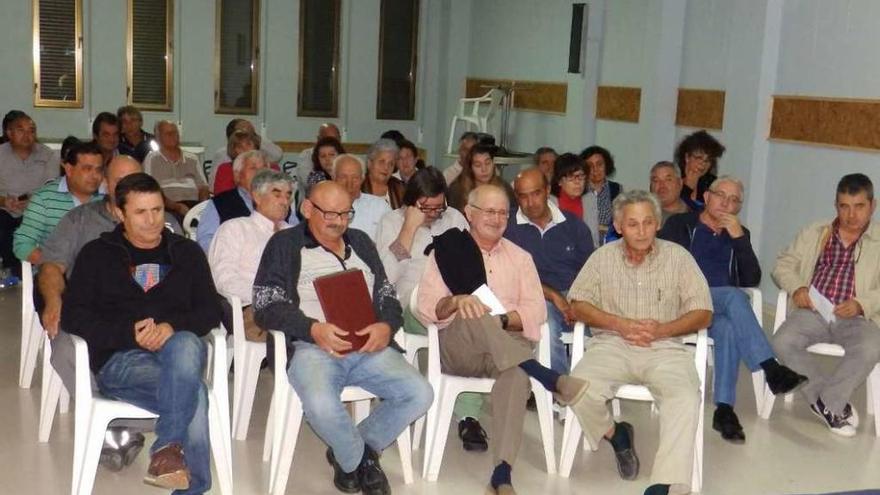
[
  {"x": 570, "y": 389},
  {"x": 168, "y": 468}
]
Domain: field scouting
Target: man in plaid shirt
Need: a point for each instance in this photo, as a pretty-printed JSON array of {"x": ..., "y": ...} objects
[{"x": 840, "y": 259}]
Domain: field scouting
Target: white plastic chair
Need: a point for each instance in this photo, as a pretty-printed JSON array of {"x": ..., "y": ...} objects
[
  {"x": 93, "y": 413},
  {"x": 31, "y": 328},
  {"x": 189, "y": 220},
  {"x": 572, "y": 430},
  {"x": 448, "y": 387},
  {"x": 247, "y": 357},
  {"x": 475, "y": 113},
  {"x": 286, "y": 415},
  {"x": 824, "y": 349},
  {"x": 52, "y": 393},
  {"x": 415, "y": 343}
]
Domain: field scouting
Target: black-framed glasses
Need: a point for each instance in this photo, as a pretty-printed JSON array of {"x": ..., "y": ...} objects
[
  {"x": 333, "y": 215},
  {"x": 433, "y": 209},
  {"x": 493, "y": 213}
]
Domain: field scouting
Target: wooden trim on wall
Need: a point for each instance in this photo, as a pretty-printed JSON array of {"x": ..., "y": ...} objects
[
  {"x": 700, "y": 108},
  {"x": 833, "y": 122},
  {"x": 618, "y": 103},
  {"x": 353, "y": 148},
  {"x": 536, "y": 96}
]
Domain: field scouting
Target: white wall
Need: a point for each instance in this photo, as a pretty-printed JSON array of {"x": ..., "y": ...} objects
[{"x": 104, "y": 67}]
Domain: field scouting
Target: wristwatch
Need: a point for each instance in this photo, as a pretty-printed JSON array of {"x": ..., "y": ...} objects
[{"x": 504, "y": 320}]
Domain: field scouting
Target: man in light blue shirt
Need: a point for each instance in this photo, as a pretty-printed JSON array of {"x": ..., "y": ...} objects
[{"x": 349, "y": 171}]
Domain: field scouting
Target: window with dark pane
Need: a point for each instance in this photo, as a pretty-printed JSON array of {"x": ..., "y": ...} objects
[
  {"x": 57, "y": 54},
  {"x": 150, "y": 53},
  {"x": 398, "y": 45},
  {"x": 237, "y": 52},
  {"x": 318, "y": 58}
]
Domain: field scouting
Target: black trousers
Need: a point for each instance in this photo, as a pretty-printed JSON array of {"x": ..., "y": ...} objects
[{"x": 8, "y": 224}]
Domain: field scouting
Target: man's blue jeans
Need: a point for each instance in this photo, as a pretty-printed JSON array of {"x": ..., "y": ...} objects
[
  {"x": 319, "y": 378},
  {"x": 737, "y": 336},
  {"x": 559, "y": 361},
  {"x": 168, "y": 383}
]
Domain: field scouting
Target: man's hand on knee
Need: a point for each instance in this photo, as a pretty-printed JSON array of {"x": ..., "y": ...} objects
[
  {"x": 470, "y": 307},
  {"x": 328, "y": 336},
  {"x": 379, "y": 337},
  {"x": 801, "y": 298}
]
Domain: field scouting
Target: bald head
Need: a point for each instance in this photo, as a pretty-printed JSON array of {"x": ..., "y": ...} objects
[
  {"x": 328, "y": 212},
  {"x": 531, "y": 177},
  {"x": 327, "y": 190},
  {"x": 532, "y": 190},
  {"x": 120, "y": 166}
]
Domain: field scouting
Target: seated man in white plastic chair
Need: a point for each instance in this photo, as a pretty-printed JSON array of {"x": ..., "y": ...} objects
[
  {"x": 285, "y": 298},
  {"x": 141, "y": 297},
  {"x": 637, "y": 295}
]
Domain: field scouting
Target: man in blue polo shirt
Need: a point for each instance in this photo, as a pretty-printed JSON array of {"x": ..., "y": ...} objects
[{"x": 559, "y": 243}]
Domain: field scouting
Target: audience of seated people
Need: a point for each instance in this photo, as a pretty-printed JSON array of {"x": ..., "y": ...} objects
[
  {"x": 697, "y": 158},
  {"x": 323, "y": 154},
  {"x": 536, "y": 246},
  {"x": 349, "y": 171},
  {"x": 381, "y": 158},
  {"x": 568, "y": 191},
  {"x": 177, "y": 171},
  {"x": 237, "y": 246},
  {"x": 478, "y": 170},
  {"x": 840, "y": 260},
  {"x": 134, "y": 141},
  {"x": 666, "y": 184},
  {"x": 25, "y": 165},
  {"x": 302, "y": 170},
  {"x": 722, "y": 248},
  {"x": 286, "y": 299}
]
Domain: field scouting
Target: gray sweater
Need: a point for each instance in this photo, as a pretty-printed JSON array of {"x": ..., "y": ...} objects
[{"x": 276, "y": 300}]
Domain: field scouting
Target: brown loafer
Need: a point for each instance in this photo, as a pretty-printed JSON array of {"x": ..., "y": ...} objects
[
  {"x": 501, "y": 490},
  {"x": 570, "y": 389},
  {"x": 168, "y": 468}
]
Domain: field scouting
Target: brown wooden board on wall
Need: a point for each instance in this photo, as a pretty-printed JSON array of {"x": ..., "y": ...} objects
[
  {"x": 618, "y": 103},
  {"x": 354, "y": 148},
  {"x": 700, "y": 108},
  {"x": 836, "y": 122},
  {"x": 539, "y": 96}
]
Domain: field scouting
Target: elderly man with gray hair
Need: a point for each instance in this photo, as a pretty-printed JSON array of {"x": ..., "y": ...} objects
[
  {"x": 723, "y": 249},
  {"x": 638, "y": 295},
  {"x": 237, "y": 246},
  {"x": 381, "y": 160},
  {"x": 236, "y": 202},
  {"x": 177, "y": 171},
  {"x": 349, "y": 171}
]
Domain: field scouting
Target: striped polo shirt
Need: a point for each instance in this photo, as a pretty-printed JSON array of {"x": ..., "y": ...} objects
[{"x": 45, "y": 209}]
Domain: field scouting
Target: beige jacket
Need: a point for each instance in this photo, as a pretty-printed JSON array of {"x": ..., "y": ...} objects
[{"x": 795, "y": 264}]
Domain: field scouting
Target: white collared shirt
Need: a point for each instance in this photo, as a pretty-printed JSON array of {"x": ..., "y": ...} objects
[{"x": 556, "y": 217}]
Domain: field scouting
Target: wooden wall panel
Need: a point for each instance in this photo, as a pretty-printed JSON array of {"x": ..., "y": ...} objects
[
  {"x": 539, "y": 96},
  {"x": 618, "y": 103},
  {"x": 836, "y": 122},
  {"x": 700, "y": 108},
  {"x": 353, "y": 148}
]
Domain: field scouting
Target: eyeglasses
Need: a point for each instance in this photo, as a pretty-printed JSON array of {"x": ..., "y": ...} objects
[
  {"x": 493, "y": 213},
  {"x": 578, "y": 177},
  {"x": 432, "y": 209},
  {"x": 725, "y": 198},
  {"x": 333, "y": 215}
]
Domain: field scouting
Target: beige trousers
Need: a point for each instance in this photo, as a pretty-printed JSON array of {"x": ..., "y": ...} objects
[
  {"x": 669, "y": 373},
  {"x": 479, "y": 348}
]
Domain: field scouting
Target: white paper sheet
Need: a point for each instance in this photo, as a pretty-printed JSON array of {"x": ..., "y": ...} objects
[
  {"x": 487, "y": 297},
  {"x": 822, "y": 305}
]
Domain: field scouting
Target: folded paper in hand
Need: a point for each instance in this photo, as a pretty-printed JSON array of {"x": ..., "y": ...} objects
[
  {"x": 487, "y": 297},
  {"x": 822, "y": 305}
]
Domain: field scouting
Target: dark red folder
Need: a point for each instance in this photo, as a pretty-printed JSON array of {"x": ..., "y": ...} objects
[{"x": 346, "y": 302}]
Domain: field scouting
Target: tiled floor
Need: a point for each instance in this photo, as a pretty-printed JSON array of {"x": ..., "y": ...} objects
[{"x": 791, "y": 453}]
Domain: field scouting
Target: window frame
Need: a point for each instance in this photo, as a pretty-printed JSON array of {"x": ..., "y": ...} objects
[
  {"x": 78, "y": 57},
  {"x": 169, "y": 60},
  {"x": 255, "y": 60},
  {"x": 334, "y": 111},
  {"x": 414, "y": 63}
]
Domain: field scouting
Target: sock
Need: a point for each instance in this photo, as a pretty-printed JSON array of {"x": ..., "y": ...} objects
[
  {"x": 546, "y": 376},
  {"x": 501, "y": 475},
  {"x": 620, "y": 440},
  {"x": 722, "y": 405},
  {"x": 657, "y": 490},
  {"x": 770, "y": 365}
]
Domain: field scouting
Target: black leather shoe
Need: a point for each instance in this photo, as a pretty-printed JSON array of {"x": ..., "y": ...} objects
[
  {"x": 344, "y": 482},
  {"x": 725, "y": 422},
  {"x": 372, "y": 479},
  {"x": 783, "y": 380},
  {"x": 472, "y": 435},
  {"x": 627, "y": 460}
]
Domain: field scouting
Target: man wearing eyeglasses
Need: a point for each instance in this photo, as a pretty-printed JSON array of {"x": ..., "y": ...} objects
[
  {"x": 349, "y": 171},
  {"x": 723, "y": 250},
  {"x": 285, "y": 299}
]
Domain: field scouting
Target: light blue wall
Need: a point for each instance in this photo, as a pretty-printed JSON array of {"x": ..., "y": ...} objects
[{"x": 104, "y": 67}]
